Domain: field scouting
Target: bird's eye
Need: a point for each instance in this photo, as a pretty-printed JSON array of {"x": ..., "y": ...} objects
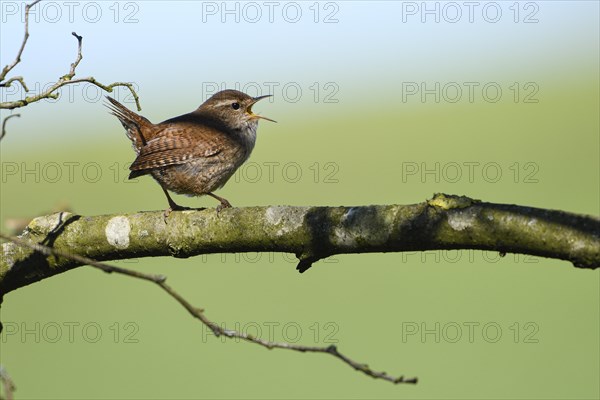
[{"x": 235, "y": 106}]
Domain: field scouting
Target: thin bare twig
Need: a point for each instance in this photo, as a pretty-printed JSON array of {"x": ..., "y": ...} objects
[
  {"x": 19, "y": 79},
  {"x": 49, "y": 93},
  {"x": 198, "y": 313},
  {"x": 4, "y": 124},
  {"x": 64, "y": 80},
  {"x": 9, "y": 67},
  {"x": 74, "y": 65},
  {"x": 67, "y": 79},
  {"x": 7, "y": 384}
]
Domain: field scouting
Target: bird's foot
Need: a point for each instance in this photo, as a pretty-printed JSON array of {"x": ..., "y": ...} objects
[
  {"x": 174, "y": 207},
  {"x": 224, "y": 204}
]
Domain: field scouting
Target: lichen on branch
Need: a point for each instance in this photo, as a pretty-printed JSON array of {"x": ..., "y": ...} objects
[{"x": 311, "y": 233}]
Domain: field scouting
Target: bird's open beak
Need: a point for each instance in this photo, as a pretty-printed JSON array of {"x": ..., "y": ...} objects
[{"x": 254, "y": 101}]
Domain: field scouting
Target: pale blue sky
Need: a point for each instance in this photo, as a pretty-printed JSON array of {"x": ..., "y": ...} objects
[{"x": 177, "y": 51}]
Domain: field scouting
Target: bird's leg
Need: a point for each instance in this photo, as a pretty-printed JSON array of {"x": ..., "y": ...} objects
[
  {"x": 224, "y": 202},
  {"x": 172, "y": 205}
]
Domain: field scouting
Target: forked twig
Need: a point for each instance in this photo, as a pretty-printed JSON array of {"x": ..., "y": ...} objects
[{"x": 64, "y": 80}]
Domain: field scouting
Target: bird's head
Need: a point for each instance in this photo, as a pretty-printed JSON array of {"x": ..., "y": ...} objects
[{"x": 233, "y": 108}]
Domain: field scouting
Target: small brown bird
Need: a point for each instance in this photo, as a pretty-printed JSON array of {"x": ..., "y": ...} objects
[{"x": 196, "y": 153}]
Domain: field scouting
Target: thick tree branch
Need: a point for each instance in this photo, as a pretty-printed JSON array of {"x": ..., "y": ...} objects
[{"x": 312, "y": 233}]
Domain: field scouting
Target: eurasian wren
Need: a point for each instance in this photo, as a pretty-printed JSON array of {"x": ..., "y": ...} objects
[{"x": 196, "y": 153}]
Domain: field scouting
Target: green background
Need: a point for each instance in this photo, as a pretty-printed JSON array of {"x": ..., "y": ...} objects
[{"x": 356, "y": 151}]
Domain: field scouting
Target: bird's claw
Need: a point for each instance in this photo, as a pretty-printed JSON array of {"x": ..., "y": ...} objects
[
  {"x": 224, "y": 204},
  {"x": 174, "y": 207}
]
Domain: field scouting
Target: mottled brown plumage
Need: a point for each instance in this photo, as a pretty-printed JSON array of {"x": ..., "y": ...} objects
[{"x": 196, "y": 153}]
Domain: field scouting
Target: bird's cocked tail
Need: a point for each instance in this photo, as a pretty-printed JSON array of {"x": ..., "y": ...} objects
[{"x": 139, "y": 129}]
